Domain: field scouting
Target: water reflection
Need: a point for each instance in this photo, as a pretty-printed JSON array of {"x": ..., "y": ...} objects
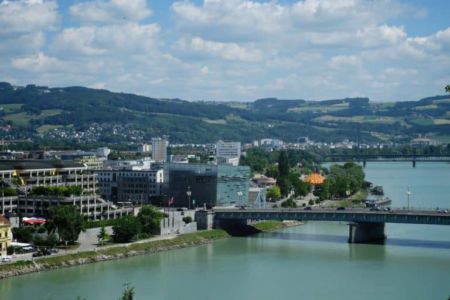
[{"x": 340, "y": 239}]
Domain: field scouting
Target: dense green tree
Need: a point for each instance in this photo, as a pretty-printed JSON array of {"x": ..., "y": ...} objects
[
  {"x": 283, "y": 164},
  {"x": 150, "y": 218},
  {"x": 126, "y": 229},
  {"x": 102, "y": 235},
  {"x": 301, "y": 188},
  {"x": 289, "y": 203},
  {"x": 273, "y": 193},
  {"x": 7, "y": 192},
  {"x": 447, "y": 88},
  {"x": 285, "y": 185},
  {"x": 23, "y": 234},
  {"x": 66, "y": 220}
]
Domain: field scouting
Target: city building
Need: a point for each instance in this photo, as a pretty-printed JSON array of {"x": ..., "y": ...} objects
[
  {"x": 228, "y": 152},
  {"x": 196, "y": 185},
  {"x": 159, "y": 149},
  {"x": 136, "y": 186},
  {"x": 144, "y": 148},
  {"x": 5, "y": 235},
  {"x": 130, "y": 164},
  {"x": 23, "y": 175}
]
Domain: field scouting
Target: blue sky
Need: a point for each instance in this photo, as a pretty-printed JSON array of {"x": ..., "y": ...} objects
[{"x": 228, "y": 50}]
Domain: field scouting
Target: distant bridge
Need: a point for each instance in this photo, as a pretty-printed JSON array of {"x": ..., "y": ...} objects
[
  {"x": 365, "y": 226},
  {"x": 364, "y": 158}
]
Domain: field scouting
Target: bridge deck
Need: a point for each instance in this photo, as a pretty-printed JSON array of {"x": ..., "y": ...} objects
[{"x": 350, "y": 215}]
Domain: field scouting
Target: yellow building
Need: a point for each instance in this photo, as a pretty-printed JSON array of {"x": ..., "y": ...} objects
[{"x": 5, "y": 235}]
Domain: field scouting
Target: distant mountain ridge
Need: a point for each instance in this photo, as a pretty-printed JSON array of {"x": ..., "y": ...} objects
[{"x": 85, "y": 116}]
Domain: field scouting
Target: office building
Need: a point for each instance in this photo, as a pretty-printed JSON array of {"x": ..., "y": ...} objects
[
  {"x": 228, "y": 152},
  {"x": 24, "y": 175},
  {"x": 192, "y": 185},
  {"x": 135, "y": 186}
]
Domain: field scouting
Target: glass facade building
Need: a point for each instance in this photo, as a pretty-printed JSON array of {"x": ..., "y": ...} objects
[{"x": 213, "y": 185}]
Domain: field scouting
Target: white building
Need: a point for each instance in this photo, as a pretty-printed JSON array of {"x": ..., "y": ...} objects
[
  {"x": 228, "y": 152},
  {"x": 130, "y": 186},
  {"x": 159, "y": 149},
  {"x": 144, "y": 148}
]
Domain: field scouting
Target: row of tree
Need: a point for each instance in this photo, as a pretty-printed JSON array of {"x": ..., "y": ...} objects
[
  {"x": 129, "y": 228},
  {"x": 342, "y": 181},
  {"x": 57, "y": 191},
  {"x": 66, "y": 223}
]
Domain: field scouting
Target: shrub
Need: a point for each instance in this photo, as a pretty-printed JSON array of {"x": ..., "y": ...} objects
[{"x": 187, "y": 219}]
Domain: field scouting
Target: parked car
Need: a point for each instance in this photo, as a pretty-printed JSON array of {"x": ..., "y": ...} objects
[
  {"x": 6, "y": 259},
  {"x": 340, "y": 208},
  {"x": 307, "y": 208}
]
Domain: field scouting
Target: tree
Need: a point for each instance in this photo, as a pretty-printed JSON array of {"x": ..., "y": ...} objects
[
  {"x": 128, "y": 293},
  {"x": 274, "y": 193},
  {"x": 67, "y": 220},
  {"x": 150, "y": 218},
  {"x": 126, "y": 229},
  {"x": 187, "y": 219},
  {"x": 102, "y": 235},
  {"x": 447, "y": 88},
  {"x": 283, "y": 164}
]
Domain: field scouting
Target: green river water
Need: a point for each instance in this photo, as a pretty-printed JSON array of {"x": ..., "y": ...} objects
[{"x": 313, "y": 261}]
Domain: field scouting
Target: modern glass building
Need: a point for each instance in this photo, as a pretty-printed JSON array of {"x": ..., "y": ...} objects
[{"x": 193, "y": 185}]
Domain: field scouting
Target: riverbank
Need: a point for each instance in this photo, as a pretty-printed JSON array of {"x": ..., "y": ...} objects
[{"x": 110, "y": 253}]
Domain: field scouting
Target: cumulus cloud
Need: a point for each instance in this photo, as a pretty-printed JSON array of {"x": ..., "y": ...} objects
[
  {"x": 19, "y": 17},
  {"x": 110, "y": 39},
  {"x": 226, "y": 51},
  {"x": 37, "y": 63},
  {"x": 112, "y": 11}
]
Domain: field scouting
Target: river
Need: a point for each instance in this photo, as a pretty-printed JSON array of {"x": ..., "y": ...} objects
[{"x": 313, "y": 261}]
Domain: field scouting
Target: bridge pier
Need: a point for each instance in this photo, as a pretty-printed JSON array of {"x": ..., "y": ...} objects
[
  {"x": 364, "y": 163},
  {"x": 366, "y": 233},
  {"x": 414, "y": 163}
]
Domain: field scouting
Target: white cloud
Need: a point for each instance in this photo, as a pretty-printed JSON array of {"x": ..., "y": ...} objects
[
  {"x": 112, "y": 39},
  {"x": 19, "y": 17},
  {"x": 112, "y": 11},
  {"x": 37, "y": 63},
  {"x": 226, "y": 51}
]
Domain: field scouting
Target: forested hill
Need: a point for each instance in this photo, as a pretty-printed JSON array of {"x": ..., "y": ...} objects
[{"x": 84, "y": 116}]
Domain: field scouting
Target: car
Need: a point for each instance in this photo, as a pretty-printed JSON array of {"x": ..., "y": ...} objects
[
  {"x": 242, "y": 207},
  {"x": 6, "y": 259},
  {"x": 443, "y": 211},
  {"x": 37, "y": 254},
  {"x": 53, "y": 250},
  {"x": 340, "y": 208},
  {"x": 387, "y": 209},
  {"x": 307, "y": 208}
]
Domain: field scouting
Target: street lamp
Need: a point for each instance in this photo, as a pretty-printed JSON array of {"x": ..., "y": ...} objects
[
  {"x": 189, "y": 193},
  {"x": 408, "y": 194}
]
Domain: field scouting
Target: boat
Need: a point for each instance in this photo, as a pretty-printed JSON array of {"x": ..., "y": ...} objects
[
  {"x": 379, "y": 202},
  {"x": 377, "y": 190}
]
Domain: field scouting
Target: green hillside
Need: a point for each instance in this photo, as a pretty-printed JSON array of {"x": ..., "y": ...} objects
[{"x": 85, "y": 117}]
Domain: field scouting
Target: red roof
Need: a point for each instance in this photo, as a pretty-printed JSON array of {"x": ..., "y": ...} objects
[{"x": 4, "y": 221}]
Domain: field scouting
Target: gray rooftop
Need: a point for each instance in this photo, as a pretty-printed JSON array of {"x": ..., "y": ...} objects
[{"x": 6, "y": 165}]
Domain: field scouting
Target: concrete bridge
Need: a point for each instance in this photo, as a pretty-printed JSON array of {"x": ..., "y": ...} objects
[
  {"x": 365, "y": 226},
  {"x": 364, "y": 158}
]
